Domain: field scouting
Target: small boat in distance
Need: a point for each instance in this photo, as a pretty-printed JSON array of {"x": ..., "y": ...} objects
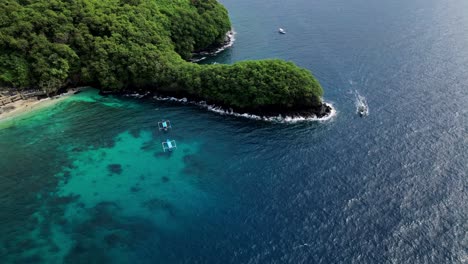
[
  {"x": 362, "y": 108},
  {"x": 281, "y": 31}
]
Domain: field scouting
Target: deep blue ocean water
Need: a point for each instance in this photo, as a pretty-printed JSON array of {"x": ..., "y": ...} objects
[{"x": 85, "y": 181}]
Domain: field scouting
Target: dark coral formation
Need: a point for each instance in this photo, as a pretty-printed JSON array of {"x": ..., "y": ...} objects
[{"x": 115, "y": 168}]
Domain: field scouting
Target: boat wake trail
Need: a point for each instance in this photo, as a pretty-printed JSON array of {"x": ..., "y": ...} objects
[{"x": 362, "y": 108}]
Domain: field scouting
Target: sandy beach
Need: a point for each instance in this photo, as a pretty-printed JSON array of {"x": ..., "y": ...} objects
[{"x": 21, "y": 107}]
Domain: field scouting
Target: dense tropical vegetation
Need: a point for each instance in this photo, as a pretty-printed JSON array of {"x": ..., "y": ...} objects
[{"x": 139, "y": 44}]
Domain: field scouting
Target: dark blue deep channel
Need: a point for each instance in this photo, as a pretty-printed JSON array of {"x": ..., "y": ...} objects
[{"x": 85, "y": 180}]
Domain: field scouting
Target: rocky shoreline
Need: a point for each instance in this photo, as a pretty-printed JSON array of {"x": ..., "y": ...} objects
[
  {"x": 214, "y": 49},
  {"x": 327, "y": 111},
  {"x": 324, "y": 111}
]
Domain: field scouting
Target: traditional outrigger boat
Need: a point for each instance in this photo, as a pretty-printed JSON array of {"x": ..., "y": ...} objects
[
  {"x": 164, "y": 125},
  {"x": 169, "y": 145}
]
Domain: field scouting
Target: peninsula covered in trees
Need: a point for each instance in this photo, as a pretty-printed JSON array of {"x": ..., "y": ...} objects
[{"x": 123, "y": 45}]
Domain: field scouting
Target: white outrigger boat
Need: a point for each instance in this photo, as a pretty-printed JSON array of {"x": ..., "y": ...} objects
[
  {"x": 164, "y": 125},
  {"x": 281, "y": 31},
  {"x": 169, "y": 145}
]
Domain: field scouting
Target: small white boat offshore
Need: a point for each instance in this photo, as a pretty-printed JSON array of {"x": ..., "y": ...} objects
[
  {"x": 361, "y": 105},
  {"x": 362, "y": 110},
  {"x": 281, "y": 31}
]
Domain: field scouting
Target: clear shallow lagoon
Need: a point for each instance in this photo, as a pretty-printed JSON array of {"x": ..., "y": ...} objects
[{"x": 86, "y": 181}]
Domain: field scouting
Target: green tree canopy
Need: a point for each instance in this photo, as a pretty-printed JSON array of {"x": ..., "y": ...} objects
[{"x": 139, "y": 44}]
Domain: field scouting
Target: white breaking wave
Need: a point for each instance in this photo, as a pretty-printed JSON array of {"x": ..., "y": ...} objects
[
  {"x": 137, "y": 95},
  {"x": 230, "y": 35},
  {"x": 197, "y": 60},
  {"x": 278, "y": 118},
  {"x": 303, "y": 245}
]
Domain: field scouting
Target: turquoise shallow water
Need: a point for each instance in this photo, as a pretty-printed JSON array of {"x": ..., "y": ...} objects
[
  {"x": 85, "y": 181},
  {"x": 95, "y": 193}
]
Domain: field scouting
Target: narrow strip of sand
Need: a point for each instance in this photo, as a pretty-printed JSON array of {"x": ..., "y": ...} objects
[{"x": 21, "y": 107}]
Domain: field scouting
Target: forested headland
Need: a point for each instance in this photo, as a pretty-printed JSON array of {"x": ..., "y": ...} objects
[{"x": 123, "y": 45}]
